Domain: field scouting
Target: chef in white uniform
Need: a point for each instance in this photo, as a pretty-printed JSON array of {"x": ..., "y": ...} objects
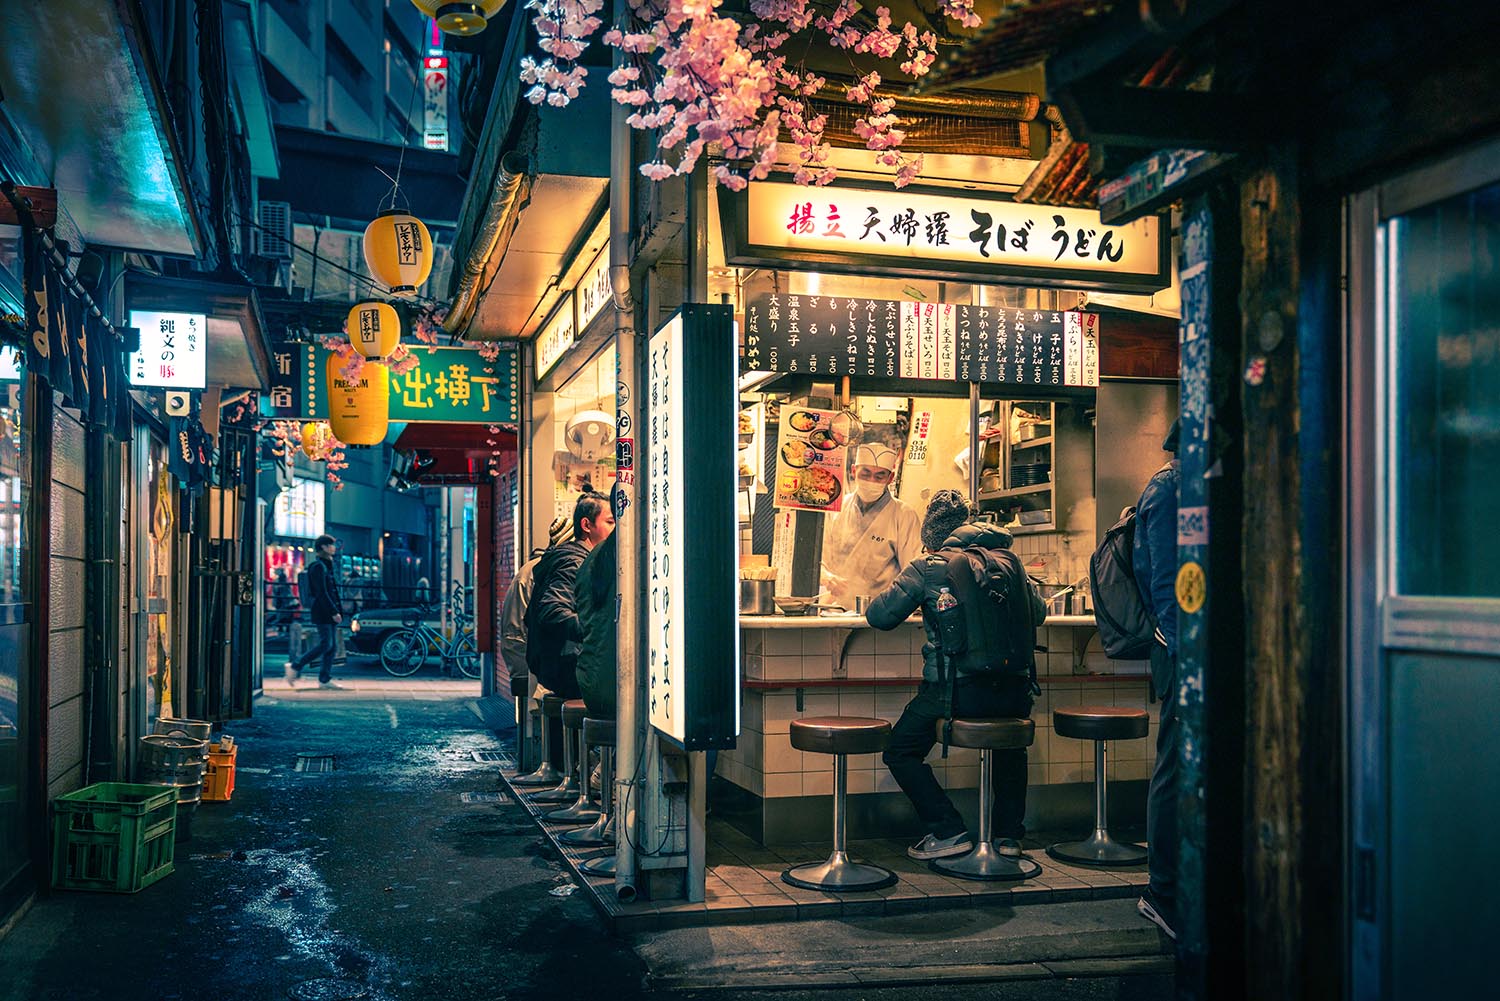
[{"x": 868, "y": 543}]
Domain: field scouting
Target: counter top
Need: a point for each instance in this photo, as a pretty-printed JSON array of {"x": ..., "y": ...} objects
[{"x": 1069, "y": 620}]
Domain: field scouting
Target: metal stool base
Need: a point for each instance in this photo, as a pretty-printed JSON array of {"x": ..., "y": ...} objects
[
  {"x": 838, "y": 874},
  {"x": 985, "y": 863},
  {"x": 574, "y": 814},
  {"x": 600, "y": 865},
  {"x": 545, "y": 775},
  {"x": 1098, "y": 849},
  {"x": 567, "y": 792}
]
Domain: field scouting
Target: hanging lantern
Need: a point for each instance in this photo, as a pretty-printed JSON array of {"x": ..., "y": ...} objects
[
  {"x": 374, "y": 329},
  {"x": 398, "y": 251},
  {"x": 359, "y": 412},
  {"x": 316, "y": 438},
  {"x": 460, "y": 18}
]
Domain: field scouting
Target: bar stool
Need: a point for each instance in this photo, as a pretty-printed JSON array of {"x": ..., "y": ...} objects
[
  {"x": 546, "y": 773},
  {"x": 839, "y": 736},
  {"x": 573, "y": 712},
  {"x": 989, "y": 736},
  {"x": 1100, "y": 724},
  {"x": 582, "y": 811},
  {"x": 598, "y": 733}
]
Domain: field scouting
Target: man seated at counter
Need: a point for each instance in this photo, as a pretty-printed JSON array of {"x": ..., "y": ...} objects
[
  {"x": 975, "y": 695},
  {"x": 867, "y": 543}
]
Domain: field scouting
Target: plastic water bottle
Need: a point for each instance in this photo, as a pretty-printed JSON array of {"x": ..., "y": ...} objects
[{"x": 950, "y": 617}]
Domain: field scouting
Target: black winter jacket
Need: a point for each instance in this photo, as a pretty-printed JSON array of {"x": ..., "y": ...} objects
[{"x": 922, "y": 580}]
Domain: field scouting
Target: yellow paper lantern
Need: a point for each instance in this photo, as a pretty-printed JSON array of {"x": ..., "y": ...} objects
[
  {"x": 316, "y": 437},
  {"x": 359, "y": 412},
  {"x": 374, "y": 329},
  {"x": 468, "y": 18},
  {"x": 398, "y": 251}
]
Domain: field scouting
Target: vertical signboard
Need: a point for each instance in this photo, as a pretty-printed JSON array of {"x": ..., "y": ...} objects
[
  {"x": 435, "y": 103},
  {"x": 172, "y": 354},
  {"x": 691, "y": 573}
]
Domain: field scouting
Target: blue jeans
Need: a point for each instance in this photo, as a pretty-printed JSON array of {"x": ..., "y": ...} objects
[
  {"x": 917, "y": 730},
  {"x": 326, "y": 646},
  {"x": 1161, "y": 798}
]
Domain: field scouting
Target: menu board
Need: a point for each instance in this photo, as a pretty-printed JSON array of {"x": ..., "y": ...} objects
[
  {"x": 811, "y": 459},
  {"x": 884, "y": 338}
]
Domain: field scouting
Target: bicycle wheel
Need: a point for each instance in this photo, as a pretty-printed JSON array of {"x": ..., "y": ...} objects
[
  {"x": 465, "y": 656},
  {"x": 396, "y": 653}
]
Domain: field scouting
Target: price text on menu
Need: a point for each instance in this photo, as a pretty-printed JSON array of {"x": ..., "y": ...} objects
[{"x": 884, "y": 338}]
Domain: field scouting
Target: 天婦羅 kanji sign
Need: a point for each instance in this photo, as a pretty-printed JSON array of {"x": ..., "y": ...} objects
[{"x": 455, "y": 385}]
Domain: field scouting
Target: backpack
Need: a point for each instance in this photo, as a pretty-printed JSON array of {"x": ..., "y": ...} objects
[
  {"x": 991, "y": 630},
  {"x": 1126, "y": 625}
]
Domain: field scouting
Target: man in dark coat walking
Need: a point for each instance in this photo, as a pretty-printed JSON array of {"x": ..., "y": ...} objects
[{"x": 327, "y": 611}]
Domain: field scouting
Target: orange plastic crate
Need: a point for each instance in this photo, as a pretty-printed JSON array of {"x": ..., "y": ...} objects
[{"x": 218, "y": 780}]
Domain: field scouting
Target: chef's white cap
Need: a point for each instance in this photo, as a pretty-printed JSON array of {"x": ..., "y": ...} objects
[{"x": 873, "y": 453}]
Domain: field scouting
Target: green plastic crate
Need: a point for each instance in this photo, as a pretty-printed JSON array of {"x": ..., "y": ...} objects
[{"x": 113, "y": 836}]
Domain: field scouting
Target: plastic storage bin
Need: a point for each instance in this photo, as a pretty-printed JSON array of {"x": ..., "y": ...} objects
[{"x": 113, "y": 836}]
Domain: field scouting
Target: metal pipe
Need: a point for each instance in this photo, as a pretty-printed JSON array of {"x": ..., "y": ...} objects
[
  {"x": 504, "y": 202},
  {"x": 986, "y": 797},
  {"x": 629, "y": 724},
  {"x": 1101, "y": 803},
  {"x": 974, "y": 450},
  {"x": 840, "y": 803}
]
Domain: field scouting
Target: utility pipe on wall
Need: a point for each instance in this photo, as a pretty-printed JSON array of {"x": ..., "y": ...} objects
[{"x": 628, "y": 585}]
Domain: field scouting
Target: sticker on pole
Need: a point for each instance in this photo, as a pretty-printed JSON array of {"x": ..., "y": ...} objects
[{"x": 1192, "y": 588}]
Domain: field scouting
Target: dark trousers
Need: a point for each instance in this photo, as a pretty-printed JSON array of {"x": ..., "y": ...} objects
[
  {"x": 920, "y": 727},
  {"x": 326, "y": 646},
  {"x": 1161, "y": 798}
]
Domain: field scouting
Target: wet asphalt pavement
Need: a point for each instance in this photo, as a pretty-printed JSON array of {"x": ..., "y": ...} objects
[{"x": 400, "y": 873}]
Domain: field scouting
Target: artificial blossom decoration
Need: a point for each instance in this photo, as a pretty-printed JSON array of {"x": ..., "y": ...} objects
[{"x": 710, "y": 84}]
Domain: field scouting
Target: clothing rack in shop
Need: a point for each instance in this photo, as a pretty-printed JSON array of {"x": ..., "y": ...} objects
[{"x": 56, "y": 257}]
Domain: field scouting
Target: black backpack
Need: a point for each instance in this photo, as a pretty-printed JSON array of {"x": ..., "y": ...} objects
[
  {"x": 1126, "y": 625},
  {"x": 991, "y": 630}
]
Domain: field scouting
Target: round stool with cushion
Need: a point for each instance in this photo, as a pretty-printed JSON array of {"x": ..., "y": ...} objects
[
  {"x": 546, "y": 773},
  {"x": 1100, "y": 724},
  {"x": 599, "y": 733},
  {"x": 839, "y": 736},
  {"x": 989, "y": 736},
  {"x": 566, "y": 791}
]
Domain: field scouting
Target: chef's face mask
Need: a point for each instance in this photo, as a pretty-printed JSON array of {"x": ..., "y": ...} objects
[{"x": 870, "y": 482}]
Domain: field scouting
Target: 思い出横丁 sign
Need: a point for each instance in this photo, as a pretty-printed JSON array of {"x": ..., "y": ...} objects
[
  {"x": 884, "y": 338},
  {"x": 454, "y": 385},
  {"x": 943, "y": 234},
  {"x": 693, "y": 660},
  {"x": 172, "y": 353}
]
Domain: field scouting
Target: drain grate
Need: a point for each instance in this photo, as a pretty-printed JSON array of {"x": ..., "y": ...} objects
[
  {"x": 314, "y": 761},
  {"x": 500, "y": 756},
  {"x": 485, "y": 797},
  {"x": 328, "y": 989}
]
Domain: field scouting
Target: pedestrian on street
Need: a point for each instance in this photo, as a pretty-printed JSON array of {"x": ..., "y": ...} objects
[
  {"x": 513, "y": 623},
  {"x": 553, "y": 632},
  {"x": 327, "y": 612},
  {"x": 283, "y": 603},
  {"x": 1155, "y": 566},
  {"x": 923, "y": 584}
]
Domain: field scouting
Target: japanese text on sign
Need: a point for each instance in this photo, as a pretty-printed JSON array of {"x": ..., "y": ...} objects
[
  {"x": 448, "y": 384},
  {"x": 664, "y": 513},
  {"x": 172, "y": 353}
]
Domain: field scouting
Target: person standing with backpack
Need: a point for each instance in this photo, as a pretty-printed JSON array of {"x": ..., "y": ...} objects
[
  {"x": 981, "y": 614},
  {"x": 1155, "y": 565}
]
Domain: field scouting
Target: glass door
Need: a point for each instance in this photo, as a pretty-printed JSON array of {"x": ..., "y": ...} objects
[
  {"x": 1423, "y": 548},
  {"x": 155, "y": 497},
  {"x": 15, "y": 616}
]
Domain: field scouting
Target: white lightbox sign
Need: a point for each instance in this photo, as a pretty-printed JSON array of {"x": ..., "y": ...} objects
[
  {"x": 557, "y": 336},
  {"x": 593, "y": 292},
  {"x": 173, "y": 353},
  {"x": 299, "y": 512}
]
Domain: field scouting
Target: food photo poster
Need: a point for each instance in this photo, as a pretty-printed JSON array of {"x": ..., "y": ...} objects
[{"x": 811, "y": 459}]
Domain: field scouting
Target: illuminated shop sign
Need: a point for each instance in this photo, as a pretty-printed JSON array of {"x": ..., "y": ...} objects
[
  {"x": 299, "y": 509},
  {"x": 693, "y": 657},
  {"x": 435, "y": 103},
  {"x": 557, "y": 336},
  {"x": 593, "y": 292},
  {"x": 942, "y": 234},
  {"x": 173, "y": 353}
]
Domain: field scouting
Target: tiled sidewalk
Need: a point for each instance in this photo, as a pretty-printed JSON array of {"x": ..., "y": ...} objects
[{"x": 744, "y": 883}]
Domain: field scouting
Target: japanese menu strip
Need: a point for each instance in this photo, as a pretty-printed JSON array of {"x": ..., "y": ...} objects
[{"x": 829, "y": 335}]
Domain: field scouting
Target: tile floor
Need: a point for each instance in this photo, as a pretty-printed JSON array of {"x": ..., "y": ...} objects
[{"x": 744, "y": 882}]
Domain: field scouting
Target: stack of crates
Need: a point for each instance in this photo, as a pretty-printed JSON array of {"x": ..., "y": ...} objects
[
  {"x": 113, "y": 836},
  {"x": 218, "y": 783}
]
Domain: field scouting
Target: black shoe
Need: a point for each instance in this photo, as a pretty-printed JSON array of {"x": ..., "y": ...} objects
[{"x": 1157, "y": 911}]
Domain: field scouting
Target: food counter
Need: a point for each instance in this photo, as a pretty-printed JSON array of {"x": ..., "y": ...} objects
[{"x": 836, "y": 664}]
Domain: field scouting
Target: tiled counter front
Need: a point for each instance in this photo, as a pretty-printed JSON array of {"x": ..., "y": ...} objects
[{"x": 789, "y": 673}]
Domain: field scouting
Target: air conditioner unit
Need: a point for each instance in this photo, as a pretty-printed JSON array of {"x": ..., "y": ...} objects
[{"x": 274, "y": 236}]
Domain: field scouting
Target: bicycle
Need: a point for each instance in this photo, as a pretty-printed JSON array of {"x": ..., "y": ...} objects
[{"x": 404, "y": 652}]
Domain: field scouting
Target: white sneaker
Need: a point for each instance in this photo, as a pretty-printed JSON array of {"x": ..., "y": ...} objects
[
  {"x": 1009, "y": 847},
  {"x": 332, "y": 686},
  {"x": 292, "y": 675},
  {"x": 932, "y": 847}
]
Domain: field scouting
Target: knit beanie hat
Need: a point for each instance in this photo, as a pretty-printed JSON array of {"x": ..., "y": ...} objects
[{"x": 945, "y": 513}]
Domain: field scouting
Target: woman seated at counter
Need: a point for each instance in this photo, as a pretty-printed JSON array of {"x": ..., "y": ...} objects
[
  {"x": 975, "y": 695},
  {"x": 874, "y": 536}
]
